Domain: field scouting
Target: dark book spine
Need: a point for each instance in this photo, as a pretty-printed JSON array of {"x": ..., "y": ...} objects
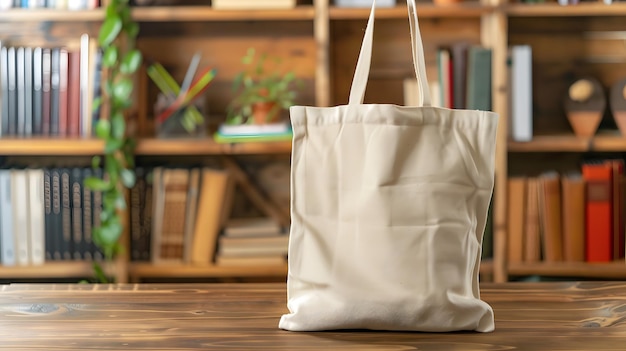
[
  {"x": 76, "y": 179},
  {"x": 37, "y": 91},
  {"x": 87, "y": 217},
  {"x": 135, "y": 216},
  {"x": 66, "y": 214},
  {"x": 46, "y": 83},
  {"x": 28, "y": 91},
  {"x": 96, "y": 208},
  {"x": 55, "y": 66},
  {"x": 4, "y": 90},
  {"x": 146, "y": 221},
  {"x": 56, "y": 223}
]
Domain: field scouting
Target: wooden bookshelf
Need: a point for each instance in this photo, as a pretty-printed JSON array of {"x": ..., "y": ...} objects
[
  {"x": 322, "y": 42},
  {"x": 613, "y": 270},
  {"x": 138, "y": 271},
  {"x": 40, "y": 146},
  {"x": 551, "y": 143},
  {"x": 555, "y": 10},
  {"x": 168, "y": 147},
  {"x": 60, "y": 269},
  {"x": 207, "y": 13},
  {"x": 424, "y": 10},
  {"x": 51, "y": 15}
]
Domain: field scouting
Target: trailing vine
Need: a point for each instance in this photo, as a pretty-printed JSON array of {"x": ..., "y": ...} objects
[{"x": 120, "y": 60}]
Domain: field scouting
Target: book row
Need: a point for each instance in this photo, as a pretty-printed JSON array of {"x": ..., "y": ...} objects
[
  {"x": 47, "y": 215},
  {"x": 573, "y": 217},
  {"x": 50, "y": 4},
  {"x": 49, "y": 90},
  {"x": 182, "y": 215}
]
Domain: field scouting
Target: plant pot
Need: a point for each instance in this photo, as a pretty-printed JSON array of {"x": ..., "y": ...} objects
[{"x": 264, "y": 112}]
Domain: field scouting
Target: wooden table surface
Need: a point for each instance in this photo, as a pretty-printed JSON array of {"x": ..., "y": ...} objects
[{"x": 529, "y": 316}]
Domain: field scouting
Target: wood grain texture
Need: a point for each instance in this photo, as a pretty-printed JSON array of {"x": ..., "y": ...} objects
[{"x": 529, "y": 316}]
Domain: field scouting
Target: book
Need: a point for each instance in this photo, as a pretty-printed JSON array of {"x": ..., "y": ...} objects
[
  {"x": 36, "y": 219},
  {"x": 250, "y": 261},
  {"x": 213, "y": 192},
  {"x": 521, "y": 88},
  {"x": 8, "y": 255},
  {"x": 516, "y": 214},
  {"x": 219, "y": 138},
  {"x": 246, "y": 227},
  {"x": 550, "y": 216},
  {"x": 532, "y": 234},
  {"x": 479, "y": 79},
  {"x": 598, "y": 177},
  {"x": 19, "y": 203},
  {"x": 573, "y": 200},
  {"x": 254, "y": 129}
]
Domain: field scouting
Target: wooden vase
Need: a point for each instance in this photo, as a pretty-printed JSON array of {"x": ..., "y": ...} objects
[
  {"x": 618, "y": 105},
  {"x": 584, "y": 106}
]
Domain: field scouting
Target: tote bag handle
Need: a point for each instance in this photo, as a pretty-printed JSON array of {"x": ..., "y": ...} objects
[{"x": 361, "y": 74}]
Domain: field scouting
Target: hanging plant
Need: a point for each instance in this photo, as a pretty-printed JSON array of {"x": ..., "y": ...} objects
[{"x": 120, "y": 60}]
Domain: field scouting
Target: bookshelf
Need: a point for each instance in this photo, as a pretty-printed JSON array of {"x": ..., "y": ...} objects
[
  {"x": 320, "y": 41},
  {"x": 567, "y": 42}
]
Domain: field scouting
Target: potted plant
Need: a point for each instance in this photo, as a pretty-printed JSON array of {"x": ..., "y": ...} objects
[
  {"x": 261, "y": 90},
  {"x": 120, "y": 60}
]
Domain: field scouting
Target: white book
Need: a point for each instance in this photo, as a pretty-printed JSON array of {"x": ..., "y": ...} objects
[
  {"x": 6, "y": 221},
  {"x": 19, "y": 201},
  {"x": 521, "y": 98},
  {"x": 36, "y": 216}
]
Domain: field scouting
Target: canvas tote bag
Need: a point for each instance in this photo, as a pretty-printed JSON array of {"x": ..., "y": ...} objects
[{"x": 388, "y": 210}]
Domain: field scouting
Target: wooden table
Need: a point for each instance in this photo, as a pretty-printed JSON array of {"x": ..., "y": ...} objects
[{"x": 529, "y": 316}]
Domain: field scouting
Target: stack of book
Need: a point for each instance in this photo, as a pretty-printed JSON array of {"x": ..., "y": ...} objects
[
  {"x": 252, "y": 241},
  {"x": 253, "y": 132}
]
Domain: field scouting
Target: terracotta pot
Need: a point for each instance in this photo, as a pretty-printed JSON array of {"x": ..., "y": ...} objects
[{"x": 261, "y": 112}]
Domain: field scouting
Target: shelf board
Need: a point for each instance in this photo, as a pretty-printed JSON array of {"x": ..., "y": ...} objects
[
  {"x": 44, "y": 15},
  {"x": 51, "y": 146},
  {"x": 556, "y": 10},
  {"x": 164, "y": 147},
  {"x": 611, "y": 270},
  {"x": 467, "y": 9},
  {"x": 551, "y": 143},
  {"x": 206, "y": 13},
  {"x": 49, "y": 270},
  {"x": 609, "y": 143},
  {"x": 149, "y": 270}
]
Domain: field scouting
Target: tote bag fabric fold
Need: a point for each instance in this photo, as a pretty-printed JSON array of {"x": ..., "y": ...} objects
[{"x": 388, "y": 209}]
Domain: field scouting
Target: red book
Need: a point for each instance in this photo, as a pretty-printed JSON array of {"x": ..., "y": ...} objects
[
  {"x": 598, "y": 211},
  {"x": 73, "y": 93}
]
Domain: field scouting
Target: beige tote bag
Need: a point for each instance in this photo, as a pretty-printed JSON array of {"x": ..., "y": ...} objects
[{"x": 388, "y": 210}]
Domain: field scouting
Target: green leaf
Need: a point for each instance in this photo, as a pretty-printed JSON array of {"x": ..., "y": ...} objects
[
  {"x": 110, "y": 29},
  {"x": 109, "y": 58},
  {"x": 132, "y": 29},
  {"x": 103, "y": 129},
  {"x": 96, "y": 161},
  {"x": 122, "y": 89},
  {"x": 111, "y": 233},
  {"x": 96, "y": 103},
  {"x": 128, "y": 177},
  {"x": 131, "y": 62},
  {"x": 120, "y": 202},
  {"x": 112, "y": 145},
  {"x": 118, "y": 125},
  {"x": 97, "y": 184}
]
